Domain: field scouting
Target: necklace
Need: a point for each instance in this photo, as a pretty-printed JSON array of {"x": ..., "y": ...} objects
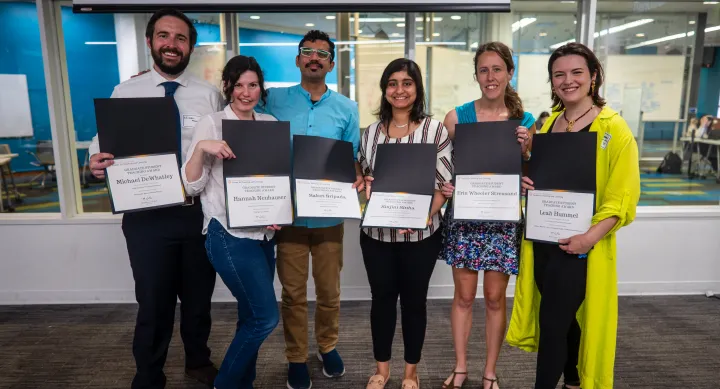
[
  {"x": 571, "y": 123},
  {"x": 403, "y": 126}
]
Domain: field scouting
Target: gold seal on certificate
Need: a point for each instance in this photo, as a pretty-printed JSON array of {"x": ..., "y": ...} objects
[
  {"x": 257, "y": 182},
  {"x": 146, "y": 172},
  {"x": 487, "y": 172},
  {"x": 562, "y": 169},
  {"x": 403, "y": 186},
  {"x": 324, "y": 173}
]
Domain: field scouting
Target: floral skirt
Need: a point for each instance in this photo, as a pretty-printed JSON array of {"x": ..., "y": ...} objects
[{"x": 482, "y": 246}]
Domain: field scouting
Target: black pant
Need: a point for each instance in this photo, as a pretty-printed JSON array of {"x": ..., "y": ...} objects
[
  {"x": 168, "y": 260},
  {"x": 561, "y": 279},
  {"x": 402, "y": 269}
]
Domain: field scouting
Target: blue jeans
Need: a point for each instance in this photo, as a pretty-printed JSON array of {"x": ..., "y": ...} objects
[{"x": 247, "y": 267}]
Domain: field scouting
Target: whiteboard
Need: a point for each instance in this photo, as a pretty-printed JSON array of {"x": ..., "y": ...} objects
[
  {"x": 15, "y": 117},
  {"x": 632, "y": 109},
  {"x": 659, "y": 76},
  {"x": 533, "y": 85}
]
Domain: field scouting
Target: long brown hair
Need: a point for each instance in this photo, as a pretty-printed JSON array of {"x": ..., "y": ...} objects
[
  {"x": 512, "y": 99},
  {"x": 593, "y": 64}
]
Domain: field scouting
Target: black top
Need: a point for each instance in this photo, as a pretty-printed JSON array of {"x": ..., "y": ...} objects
[{"x": 584, "y": 129}]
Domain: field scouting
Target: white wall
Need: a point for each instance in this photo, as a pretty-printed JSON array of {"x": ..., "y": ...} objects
[{"x": 666, "y": 251}]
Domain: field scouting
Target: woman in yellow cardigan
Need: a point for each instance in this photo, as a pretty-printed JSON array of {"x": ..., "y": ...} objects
[{"x": 574, "y": 327}]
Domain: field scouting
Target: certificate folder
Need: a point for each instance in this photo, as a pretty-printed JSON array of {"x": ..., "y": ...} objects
[
  {"x": 324, "y": 173},
  {"x": 262, "y": 148},
  {"x": 318, "y": 158},
  {"x": 141, "y": 133},
  {"x": 562, "y": 168},
  {"x": 257, "y": 182},
  {"x": 405, "y": 167},
  {"x": 137, "y": 126},
  {"x": 487, "y": 147},
  {"x": 564, "y": 161},
  {"x": 403, "y": 186}
]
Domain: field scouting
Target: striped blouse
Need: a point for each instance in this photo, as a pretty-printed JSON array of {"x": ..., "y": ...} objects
[{"x": 429, "y": 131}]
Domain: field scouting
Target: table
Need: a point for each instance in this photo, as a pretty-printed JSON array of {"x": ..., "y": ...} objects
[{"x": 710, "y": 142}]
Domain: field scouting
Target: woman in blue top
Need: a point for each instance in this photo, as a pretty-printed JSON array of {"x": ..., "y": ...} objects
[{"x": 471, "y": 247}]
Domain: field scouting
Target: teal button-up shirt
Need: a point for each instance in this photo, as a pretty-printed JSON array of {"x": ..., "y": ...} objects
[{"x": 334, "y": 116}]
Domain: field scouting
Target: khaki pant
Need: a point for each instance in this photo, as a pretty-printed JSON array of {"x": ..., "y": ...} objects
[{"x": 295, "y": 244}]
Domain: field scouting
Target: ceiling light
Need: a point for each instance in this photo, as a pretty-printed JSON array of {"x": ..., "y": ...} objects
[
  {"x": 395, "y": 34},
  {"x": 671, "y": 37},
  {"x": 711, "y": 2},
  {"x": 640, "y": 35},
  {"x": 330, "y": 17},
  {"x": 524, "y": 22},
  {"x": 456, "y": 17},
  {"x": 543, "y": 34},
  {"x": 691, "y": 22},
  {"x": 436, "y": 34},
  {"x": 568, "y": 2},
  {"x": 309, "y": 24},
  {"x": 420, "y": 28},
  {"x": 393, "y": 20},
  {"x": 611, "y": 30},
  {"x": 254, "y": 17},
  {"x": 401, "y": 24},
  {"x": 359, "y": 31},
  {"x": 474, "y": 45},
  {"x": 100, "y": 43}
]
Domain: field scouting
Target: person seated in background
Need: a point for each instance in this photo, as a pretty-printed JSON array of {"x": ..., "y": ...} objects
[
  {"x": 691, "y": 128},
  {"x": 541, "y": 119}
]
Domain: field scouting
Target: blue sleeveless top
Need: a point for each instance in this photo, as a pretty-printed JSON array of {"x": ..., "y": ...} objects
[{"x": 466, "y": 114}]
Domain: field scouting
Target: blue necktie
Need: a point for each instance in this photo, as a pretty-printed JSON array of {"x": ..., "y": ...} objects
[{"x": 170, "y": 88}]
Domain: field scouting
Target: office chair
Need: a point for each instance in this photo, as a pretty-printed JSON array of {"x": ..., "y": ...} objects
[{"x": 45, "y": 159}]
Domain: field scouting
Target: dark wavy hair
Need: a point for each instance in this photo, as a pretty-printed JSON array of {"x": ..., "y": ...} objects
[
  {"x": 234, "y": 69},
  {"x": 512, "y": 99},
  {"x": 150, "y": 29},
  {"x": 317, "y": 35},
  {"x": 593, "y": 64},
  {"x": 417, "y": 112}
]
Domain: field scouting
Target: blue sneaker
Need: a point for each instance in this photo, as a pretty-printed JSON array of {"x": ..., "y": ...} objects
[
  {"x": 298, "y": 376},
  {"x": 333, "y": 366}
]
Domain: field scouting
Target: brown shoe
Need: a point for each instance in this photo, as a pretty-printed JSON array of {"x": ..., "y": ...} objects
[{"x": 204, "y": 375}]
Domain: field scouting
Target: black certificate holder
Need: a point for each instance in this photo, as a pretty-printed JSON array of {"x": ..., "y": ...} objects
[
  {"x": 262, "y": 148},
  {"x": 129, "y": 127},
  {"x": 319, "y": 158},
  {"x": 564, "y": 162},
  {"x": 487, "y": 147}
]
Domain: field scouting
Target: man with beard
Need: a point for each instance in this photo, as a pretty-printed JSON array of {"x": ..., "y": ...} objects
[
  {"x": 313, "y": 109},
  {"x": 166, "y": 246}
]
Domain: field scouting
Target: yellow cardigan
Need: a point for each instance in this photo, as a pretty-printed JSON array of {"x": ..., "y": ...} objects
[{"x": 618, "y": 192}]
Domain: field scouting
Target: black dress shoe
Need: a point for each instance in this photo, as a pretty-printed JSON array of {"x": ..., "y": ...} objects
[{"x": 205, "y": 375}]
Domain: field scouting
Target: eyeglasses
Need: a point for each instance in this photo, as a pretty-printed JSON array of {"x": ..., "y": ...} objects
[{"x": 308, "y": 52}]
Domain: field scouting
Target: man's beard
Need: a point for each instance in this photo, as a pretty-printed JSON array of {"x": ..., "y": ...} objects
[{"x": 168, "y": 69}]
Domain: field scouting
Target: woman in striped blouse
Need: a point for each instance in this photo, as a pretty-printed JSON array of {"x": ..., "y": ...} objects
[{"x": 400, "y": 262}]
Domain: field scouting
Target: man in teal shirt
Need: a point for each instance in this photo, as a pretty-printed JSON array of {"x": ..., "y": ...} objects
[{"x": 313, "y": 109}]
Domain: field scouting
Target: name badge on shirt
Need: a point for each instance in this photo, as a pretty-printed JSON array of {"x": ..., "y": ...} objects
[{"x": 190, "y": 120}]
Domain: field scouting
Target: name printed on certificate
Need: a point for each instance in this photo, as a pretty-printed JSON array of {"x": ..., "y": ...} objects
[
  {"x": 258, "y": 201},
  {"x": 397, "y": 210},
  {"x": 554, "y": 215},
  {"x": 322, "y": 198},
  {"x": 487, "y": 197},
  {"x": 145, "y": 182}
]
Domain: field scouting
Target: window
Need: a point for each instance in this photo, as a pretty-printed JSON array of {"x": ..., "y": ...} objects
[{"x": 26, "y": 149}]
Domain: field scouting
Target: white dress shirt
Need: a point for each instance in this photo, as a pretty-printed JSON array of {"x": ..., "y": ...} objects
[
  {"x": 211, "y": 184},
  {"x": 195, "y": 98}
]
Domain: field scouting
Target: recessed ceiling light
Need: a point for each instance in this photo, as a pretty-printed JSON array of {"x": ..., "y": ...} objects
[
  {"x": 420, "y": 28},
  {"x": 359, "y": 31},
  {"x": 639, "y": 35},
  {"x": 401, "y": 24},
  {"x": 456, "y": 17},
  {"x": 691, "y": 22},
  {"x": 543, "y": 34},
  {"x": 711, "y": 2},
  {"x": 309, "y": 24},
  {"x": 395, "y": 34},
  {"x": 567, "y": 2},
  {"x": 436, "y": 34},
  {"x": 330, "y": 17},
  {"x": 254, "y": 17}
]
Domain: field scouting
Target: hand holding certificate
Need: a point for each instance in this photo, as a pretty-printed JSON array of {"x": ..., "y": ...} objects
[
  {"x": 563, "y": 170},
  {"x": 324, "y": 173},
  {"x": 146, "y": 171},
  {"x": 487, "y": 168},
  {"x": 403, "y": 186},
  {"x": 257, "y": 182}
]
